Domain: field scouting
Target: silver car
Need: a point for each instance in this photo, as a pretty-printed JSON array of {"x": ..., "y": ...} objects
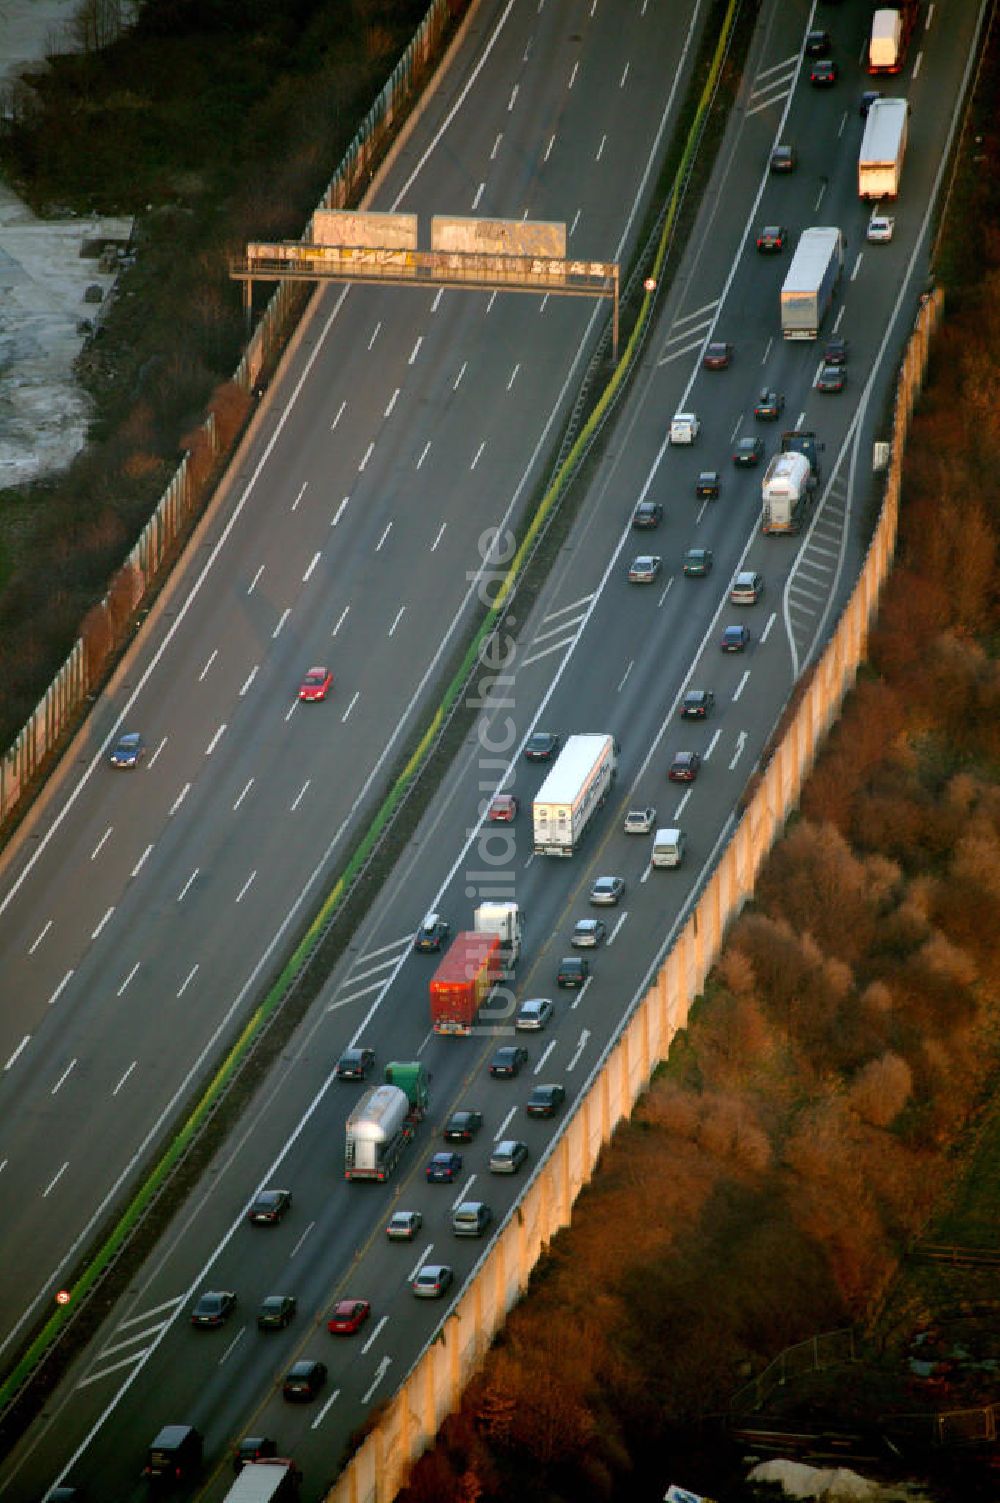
[
  {"x": 588, "y": 934},
  {"x": 640, "y": 821},
  {"x": 534, "y": 1013},
  {"x": 508, "y": 1156},
  {"x": 605, "y": 892}
]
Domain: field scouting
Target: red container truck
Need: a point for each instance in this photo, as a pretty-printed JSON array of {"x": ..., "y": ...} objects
[{"x": 464, "y": 979}]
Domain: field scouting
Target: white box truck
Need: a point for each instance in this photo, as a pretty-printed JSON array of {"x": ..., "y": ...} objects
[
  {"x": 883, "y": 147},
  {"x": 784, "y": 492},
  {"x": 890, "y": 38},
  {"x": 811, "y": 281},
  {"x": 572, "y": 793}
]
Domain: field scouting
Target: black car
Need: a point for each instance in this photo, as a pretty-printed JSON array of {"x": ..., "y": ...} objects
[
  {"x": 783, "y": 159},
  {"x": 818, "y": 44},
  {"x": 509, "y": 1059},
  {"x": 355, "y": 1064},
  {"x": 707, "y": 485},
  {"x": 432, "y": 934},
  {"x": 735, "y": 639},
  {"x": 697, "y": 562},
  {"x": 304, "y": 1380},
  {"x": 545, "y": 1100},
  {"x": 823, "y": 73},
  {"x": 461, "y": 1127},
  {"x": 697, "y": 704},
  {"x": 769, "y": 406},
  {"x": 771, "y": 239},
  {"x": 275, "y": 1312},
  {"x": 573, "y": 970},
  {"x": 213, "y": 1309},
  {"x": 647, "y": 514},
  {"x": 268, "y": 1207},
  {"x": 748, "y": 451},
  {"x": 541, "y": 747},
  {"x": 253, "y": 1448},
  {"x": 868, "y": 98}
]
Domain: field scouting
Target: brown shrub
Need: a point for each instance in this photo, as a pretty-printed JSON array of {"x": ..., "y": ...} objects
[
  {"x": 881, "y": 1089},
  {"x": 98, "y": 639}
]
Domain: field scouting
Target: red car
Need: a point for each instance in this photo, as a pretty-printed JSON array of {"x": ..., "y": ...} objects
[
  {"x": 349, "y": 1315},
  {"x": 684, "y": 767},
  {"x": 316, "y": 685},
  {"x": 503, "y": 809}
]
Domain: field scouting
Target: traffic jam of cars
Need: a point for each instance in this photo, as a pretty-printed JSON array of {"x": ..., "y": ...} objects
[{"x": 474, "y": 1140}]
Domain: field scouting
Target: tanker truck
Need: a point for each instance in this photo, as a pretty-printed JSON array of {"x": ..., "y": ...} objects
[{"x": 384, "y": 1122}]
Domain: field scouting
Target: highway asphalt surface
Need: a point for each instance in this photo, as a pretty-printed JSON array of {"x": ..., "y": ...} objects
[
  {"x": 141, "y": 914},
  {"x": 597, "y": 654}
]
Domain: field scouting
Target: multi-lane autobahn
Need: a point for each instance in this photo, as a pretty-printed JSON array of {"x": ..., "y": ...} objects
[{"x": 155, "y": 939}]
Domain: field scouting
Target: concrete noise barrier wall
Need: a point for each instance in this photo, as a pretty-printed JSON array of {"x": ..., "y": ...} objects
[{"x": 433, "y": 1387}]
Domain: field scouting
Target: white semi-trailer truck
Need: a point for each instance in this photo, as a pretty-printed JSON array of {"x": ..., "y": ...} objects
[
  {"x": 883, "y": 147},
  {"x": 572, "y": 793}
]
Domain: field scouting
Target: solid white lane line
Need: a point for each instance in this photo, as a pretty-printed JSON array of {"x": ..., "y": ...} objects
[
  {"x": 614, "y": 933},
  {"x": 767, "y": 629},
  {"x": 463, "y": 1194},
  {"x": 513, "y": 97},
  {"x": 479, "y": 455},
  {"x": 374, "y": 1335},
  {"x": 572, "y": 77},
  {"x": 711, "y": 746},
  {"x": 455, "y": 383},
  {"x": 504, "y": 1125},
  {"x": 741, "y": 685},
  {"x": 579, "y": 994},
  {"x": 600, "y": 149},
  {"x": 548, "y": 149},
  {"x": 301, "y": 1240},
  {"x": 302, "y": 490},
  {"x": 513, "y": 375},
  {"x": 496, "y": 147},
  {"x": 478, "y": 195}
]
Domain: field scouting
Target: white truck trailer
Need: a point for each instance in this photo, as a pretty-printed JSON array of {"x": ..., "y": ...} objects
[
  {"x": 811, "y": 281},
  {"x": 272, "y": 1479},
  {"x": 883, "y": 147},
  {"x": 785, "y": 492},
  {"x": 572, "y": 793}
]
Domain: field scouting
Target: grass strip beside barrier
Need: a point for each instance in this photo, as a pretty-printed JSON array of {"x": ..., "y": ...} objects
[{"x": 175, "y": 1151}]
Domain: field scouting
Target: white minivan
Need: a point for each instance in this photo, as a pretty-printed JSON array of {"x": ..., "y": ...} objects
[{"x": 668, "y": 848}]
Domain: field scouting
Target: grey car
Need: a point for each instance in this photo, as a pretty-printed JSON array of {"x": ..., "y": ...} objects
[
  {"x": 534, "y": 1014},
  {"x": 605, "y": 892},
  {"x": 588, "y": 934},
  {"x": 508, "y": 1156},
  {"x": 433, "y": 1281}
]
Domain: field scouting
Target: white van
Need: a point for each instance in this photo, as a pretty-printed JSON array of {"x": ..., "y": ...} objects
[{"x": 668, "y": 848}]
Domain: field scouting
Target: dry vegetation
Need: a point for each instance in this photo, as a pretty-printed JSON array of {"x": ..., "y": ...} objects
[
  {"x": 213, "y": 122},
  {"x": 807, "y": 1123}
]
